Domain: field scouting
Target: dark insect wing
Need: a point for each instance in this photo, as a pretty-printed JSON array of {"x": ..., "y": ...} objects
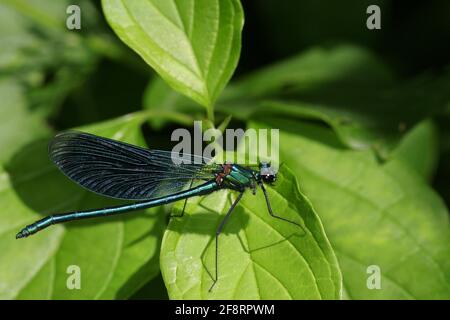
[{"x": 123, "y": 171}]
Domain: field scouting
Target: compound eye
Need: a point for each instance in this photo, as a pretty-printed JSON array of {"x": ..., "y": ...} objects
[{"x": 268, "y": 178}]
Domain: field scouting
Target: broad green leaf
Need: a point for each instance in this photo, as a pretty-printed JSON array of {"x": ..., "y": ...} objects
[
  {"x": 419, "y": 149},
  {"x": 260, "y": 257},
  {"x": 351, "y": 130},
  {"x": 116, "y": 255},
  {"x": 374, "y": 214},
  {"x": 194, "y": 45},
  {"x": 314, "y": 69}
]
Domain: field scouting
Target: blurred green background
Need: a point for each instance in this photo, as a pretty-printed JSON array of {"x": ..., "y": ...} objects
[
  {"x": 383, "y": 82},
  {"x": 77, "y": 77}
]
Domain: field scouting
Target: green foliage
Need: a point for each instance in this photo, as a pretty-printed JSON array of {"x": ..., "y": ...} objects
[
  {"x": 420, "y": 149},
  {"x": 346, "y": 87},
  {"x": 364, "y": 132},
  {"x": 251, "y": 249},
  {"x": 116, "y": 257},
  {"x": 38, "y": 51},
  {"x": 373, "y": 214},
  {"x": 193, "y": 45}
]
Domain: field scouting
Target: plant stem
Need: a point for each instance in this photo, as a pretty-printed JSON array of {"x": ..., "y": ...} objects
[{"x": 210, "y": 114}]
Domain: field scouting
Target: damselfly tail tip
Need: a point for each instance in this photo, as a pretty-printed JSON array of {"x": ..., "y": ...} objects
[{"x": 22, "y": 234}]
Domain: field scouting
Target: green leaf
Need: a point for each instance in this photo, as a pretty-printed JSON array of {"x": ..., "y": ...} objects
[
  {"x": 419, "y": 149},
  {"x": 194, "y": 45},
  {"x": 374, "y": 214},
  {"x": 116, "y": 255},
  {"x": 259, "y": 257},
  {"x": 351, "y": 130},
  {"x": 312, "y": 70}
]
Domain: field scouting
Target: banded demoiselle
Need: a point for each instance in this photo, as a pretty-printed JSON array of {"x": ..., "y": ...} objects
[{"x": 149, "y": 177}]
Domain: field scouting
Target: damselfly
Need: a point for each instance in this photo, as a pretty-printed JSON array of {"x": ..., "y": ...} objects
[{"x": 150, "y": 177}]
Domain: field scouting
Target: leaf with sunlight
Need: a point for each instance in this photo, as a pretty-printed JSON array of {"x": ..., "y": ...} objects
[
  {"x": 193, "y": 45},
  {"x": 260, "y": 257},
  {"x": 374, "y": 214}
]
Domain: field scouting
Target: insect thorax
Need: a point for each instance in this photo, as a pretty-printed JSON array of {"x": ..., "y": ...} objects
[{"x": 239, "y": 178}]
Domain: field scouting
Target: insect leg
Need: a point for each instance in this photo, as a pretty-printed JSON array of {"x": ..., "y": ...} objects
[
  {"x": 274, "y": 215},
  {"x": 184, "y": 205},
  {"x": 219, "y": 230}
]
